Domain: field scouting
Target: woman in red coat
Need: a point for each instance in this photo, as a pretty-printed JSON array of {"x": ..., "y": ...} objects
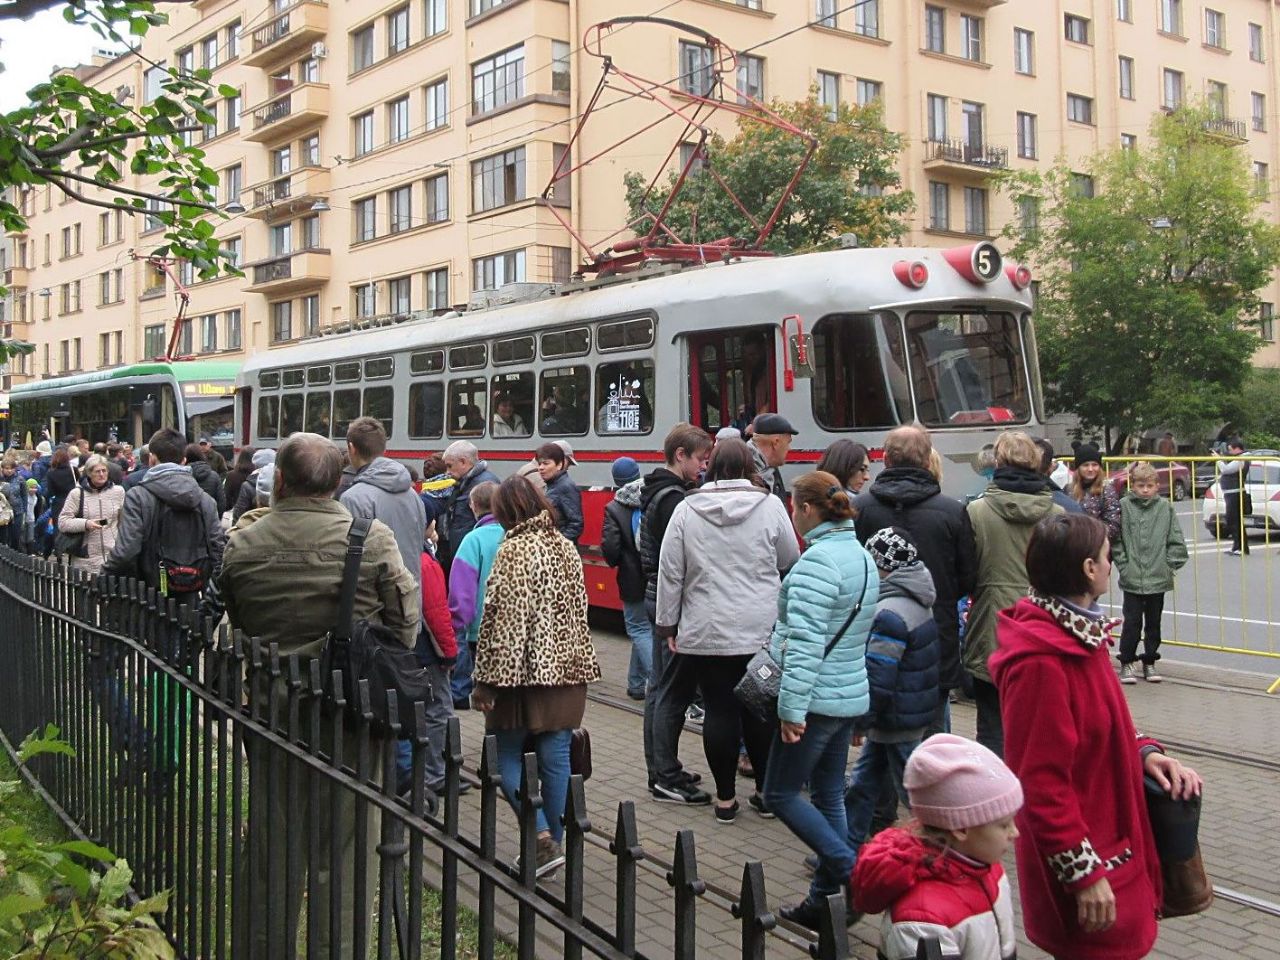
[{"x": 1088, "y": 872}]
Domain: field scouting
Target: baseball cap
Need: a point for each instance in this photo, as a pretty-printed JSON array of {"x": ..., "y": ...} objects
[
  {"x": 568, "y": 451},
  {"x": 772, "y": 423},
  {"x": 204, "y": 441}
]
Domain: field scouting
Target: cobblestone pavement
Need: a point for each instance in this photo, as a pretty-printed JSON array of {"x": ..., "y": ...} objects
[{"x": 1224, "y": 715}]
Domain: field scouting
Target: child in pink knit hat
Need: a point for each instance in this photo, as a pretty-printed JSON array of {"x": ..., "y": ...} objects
[{"x": 941, "y": 877}]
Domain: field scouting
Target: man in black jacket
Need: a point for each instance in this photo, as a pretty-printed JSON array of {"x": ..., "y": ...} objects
[
  {"x": 906, "y": 495},
  {"x": 462, "y": 462},
  {"x": 687, "y": 449}
]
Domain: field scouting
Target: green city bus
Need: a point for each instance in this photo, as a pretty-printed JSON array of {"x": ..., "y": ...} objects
[{"x": 129, "y": 403}]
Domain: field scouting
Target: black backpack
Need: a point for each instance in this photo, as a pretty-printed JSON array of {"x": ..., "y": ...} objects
[{"x": 176, "y": 559}]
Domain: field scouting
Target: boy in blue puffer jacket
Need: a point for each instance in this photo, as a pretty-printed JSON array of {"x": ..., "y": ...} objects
[{"x": 902, "y": 666}]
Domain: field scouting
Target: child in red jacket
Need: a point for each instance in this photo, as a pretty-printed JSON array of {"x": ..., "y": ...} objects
[{"x": 942, "y": 877}]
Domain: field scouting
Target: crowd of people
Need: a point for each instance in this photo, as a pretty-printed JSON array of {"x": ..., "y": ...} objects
[{"x": 876, "y": 602}]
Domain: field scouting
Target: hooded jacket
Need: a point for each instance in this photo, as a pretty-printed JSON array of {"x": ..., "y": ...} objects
[
  {"x": 817, "y": 597},
  {"x": 564, "y": 495},
  {"x": 210, "y": 483},
  {"x": 723, "y": 557},
  {"x": 925, "y": 891},
  {"x": 1151, "y": 547},
  {"x": 1003, "y": 519},
  {"x": 456, "y": 515},
  {"x": 902, "y": 654},
  {"x": 660, "y": 494},
  {"x": 910, "y": 498},
  {"x": 383, "y": 490},
  {"x": 1070, "y": 739},
  {"x": 618, "y": 540},
  {"x": 469, "y": 576}
]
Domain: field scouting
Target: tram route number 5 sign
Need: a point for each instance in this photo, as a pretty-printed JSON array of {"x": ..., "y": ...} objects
[{"x": 622, "y": 411}]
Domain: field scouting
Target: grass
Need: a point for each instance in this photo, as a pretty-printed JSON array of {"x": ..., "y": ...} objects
[{"x": 26, "y": 809}]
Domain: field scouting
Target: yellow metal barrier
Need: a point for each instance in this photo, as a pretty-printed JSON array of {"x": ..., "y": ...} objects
[{"x": 1221, "y": 602}]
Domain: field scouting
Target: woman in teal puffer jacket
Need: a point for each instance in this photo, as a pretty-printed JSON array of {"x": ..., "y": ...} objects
[{"x": 825, "y": 611}]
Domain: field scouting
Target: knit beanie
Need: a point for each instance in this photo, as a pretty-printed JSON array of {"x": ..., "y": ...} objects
[
  {"x": 263, "y": 457},
  {"x": 624, "y": 471},
  {"x": 1086, "y": 453},
  {"x": 892, "y": 548},
  {"x": 956, "y": 783}
]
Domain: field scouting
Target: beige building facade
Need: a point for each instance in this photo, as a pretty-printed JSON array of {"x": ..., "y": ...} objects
[{"x": 388, "y": 157}]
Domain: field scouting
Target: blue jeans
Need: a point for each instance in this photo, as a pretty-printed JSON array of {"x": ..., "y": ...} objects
[
  {"x": 438, "y": 710},
  {"x": 875, "y": 761},
  {"x": 641, "y": 633},
  {"x": 818, "y": 759},
  {"x": 461, "y": 684},
  {"x": 552, "y": 749}
]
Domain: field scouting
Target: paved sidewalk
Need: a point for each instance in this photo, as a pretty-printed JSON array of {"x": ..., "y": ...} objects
[{"x": 1240, "y": 831}]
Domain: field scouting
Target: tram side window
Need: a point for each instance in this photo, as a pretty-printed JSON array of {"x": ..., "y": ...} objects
[
  {"x": 290, "y": 414},
  {"x": 426, "y": 409},
  {"x": 318, "y": 412},
  {"x": 566, "y": 400},
  {"x": 379, "y": 403},
  {"x": 735, "y": 375},
  {"x": 512, "y": 405},
  {"x": 467, "y": 399},
  {"x": 268, "y": 417},
  {"x": 624, "y": 390},
  {"x": 346, "y": 407},
  {"x": 967, "y": 368},
  {"x": 860, "y": 372}
]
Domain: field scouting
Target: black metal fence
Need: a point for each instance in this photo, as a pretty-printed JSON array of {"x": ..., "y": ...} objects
[{"x": 210, "y": 763}]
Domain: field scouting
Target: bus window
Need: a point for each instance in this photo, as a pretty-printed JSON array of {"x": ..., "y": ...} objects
[
  {"x": 429, "y": 361},
  {"x": 566, "y": 343},
  {"x": 380, "y": 368},
  {"x": 466, "y": 406},
  {"x": 318, "y": 412},
  {"x": 346, "y": 407},
  {"x": 566, "y": 398},
  {"x": 269, "y": 380},
  {"x": 624, "y": 391},
  {"x": 860, "y": 372},
  {"x": 734, "y": 373},
  {"x": 512, "y": 402},
  {"x": 464, "y": 358},
  {"x": 294, "y": 378},
  {"x": 967, "y": 368},
  {"x": 268, "y": 417},
  {"x": 426, "y": 409},
  {"x": 319, "y": 376},
  {"x": 625, "y": 335},
  {"x": 290, "y": 414},
  {"x": 379, "y": 403},
  {"x": 515, "y": 350},
  {"x": 347, "y": 372}
]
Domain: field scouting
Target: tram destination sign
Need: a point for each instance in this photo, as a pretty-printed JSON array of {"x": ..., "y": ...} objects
[{"x": 211, "y": 389}]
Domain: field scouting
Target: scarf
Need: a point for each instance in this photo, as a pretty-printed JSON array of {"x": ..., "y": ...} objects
[
  {"x": 1019, "y": 480},
  {"x": 1092, "y": 630}
]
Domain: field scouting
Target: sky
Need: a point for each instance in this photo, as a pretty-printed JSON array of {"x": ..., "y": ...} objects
[{"x": 30, "y": 49}]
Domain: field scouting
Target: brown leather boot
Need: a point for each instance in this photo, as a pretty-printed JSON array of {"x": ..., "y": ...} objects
[{"x": 1187, "y": 889}]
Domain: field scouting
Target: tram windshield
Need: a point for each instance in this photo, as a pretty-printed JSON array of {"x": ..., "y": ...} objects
[
  {"x": 967, "y": 368},
  {"x": 213, "y": 420}
]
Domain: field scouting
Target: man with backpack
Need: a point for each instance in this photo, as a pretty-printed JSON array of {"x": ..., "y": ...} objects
[{"x": 170, "y": 534}]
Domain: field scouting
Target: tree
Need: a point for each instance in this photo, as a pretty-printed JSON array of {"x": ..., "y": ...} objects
[
  {"x": 850, "y": 186},
  {"x": 1150, "y": 265},
  {"x": 71, "y": 136}
]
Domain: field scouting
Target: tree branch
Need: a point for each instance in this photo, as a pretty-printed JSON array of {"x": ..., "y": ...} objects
[
  {"x": 25, "y": 9},
  {"x": 52, "y": 175},
  {"x": 62, "y": 149}
]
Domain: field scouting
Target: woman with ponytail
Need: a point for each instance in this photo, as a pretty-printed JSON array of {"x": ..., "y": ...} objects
[{"x": 825, "y": 610}]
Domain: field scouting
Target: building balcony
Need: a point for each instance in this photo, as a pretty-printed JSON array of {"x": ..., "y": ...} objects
[
  {"x": 1226, "y": 130},
  {"x": 17, "y": 278},
  {"x": 16, "y": 234},
  {"x": 285, "y": 37},
  {"x": 965, "y": 157},
  {"x": 293, "y": 111},
  {"x": 289, "y": 194},
  {"x": 290, "y": 273}
]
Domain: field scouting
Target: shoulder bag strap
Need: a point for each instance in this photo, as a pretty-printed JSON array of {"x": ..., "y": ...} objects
[
  {"x": 853, "y": 614},
  {"x": 351, "y": 576}
]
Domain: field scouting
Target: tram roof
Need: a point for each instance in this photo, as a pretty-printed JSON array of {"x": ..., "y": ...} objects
[{"x": 183, "y": 371}]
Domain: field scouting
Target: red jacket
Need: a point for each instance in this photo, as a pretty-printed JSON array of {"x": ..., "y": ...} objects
[
  {"x": 435, "y": 608},
  {"x": 1070, "y": 738}
]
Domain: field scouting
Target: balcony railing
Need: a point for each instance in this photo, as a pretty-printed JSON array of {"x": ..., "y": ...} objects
[
  {"x": 288, "y": 192},
  {"x": 1226, "y": 128},
  {"x": 298, "y": 270},
  {"x": 272, "y": 270},
  {"x": 295, "y": 108},
  {"x": 303, "y": 23},
  {"x": 967, "y": 153}
]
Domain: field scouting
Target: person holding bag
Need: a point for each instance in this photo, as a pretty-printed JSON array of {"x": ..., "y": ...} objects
[
  {"x": 91, "y": 513},
  {"x": 825, "y": 611}
]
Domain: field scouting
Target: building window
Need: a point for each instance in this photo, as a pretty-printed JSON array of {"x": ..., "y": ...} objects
[
  {"x": 232, "y": 250},
  {"x": 829, "y": 92},
  {"x": 971, "y": 37},
  {"x": 1261, "y": 180},
  {"x": 1171, "y": 16},
  {"x": 437, "y": 201},
  {"x": 1259, "y": 102},
  {"x": 397, "y": 31},
  {"x": 1267, "y": 322},
  {"x": 362, "y": 49},
  {"x": 1076, "y": 28},
  {"x": 1216, "y": 97},
  {"x": 937, "y": 107},
  {"x": 1029, "y": 216},
  {"x": 281, "y": 161},
  {"x": 209, "y": 52},
  {"x": 153, "y": 344},
  {"x": 185, "y": 62},
  {"x": 233, "y": 40},
  {"x": 561, "y": 264},
  {"x": 363, "y": 133},
  {"x": 231, "y": 111},
  {"x": 1255, "y": 43},
  {"x": 490, "y": 273},
  {"x": 437, "y": 288},
  {"x": 1172, "y": 89},
  {"x": 310, "y": 315},
  {"x": 436, "y": 16},
  {"x": 1128, "y": 141},
  {"x": 869, "y": 91},
  {"x": 750, "y": 77},
  {"x": 309, "y": 71},
  {"x": 281, "y": 239},
  {"x": 366, "y": 217},
  {"x": 1027, "y": 136},
  {"x": 825, "y": 13},
  {"x": 70, "y": 241},
  {"x": 437, "y": 97},
  {"x": 975, "y": 210},
  {"x": 497, "y": 81},
  {"x": 398, "y": 295},
  {"x": 398, "y": 120},
  {"x": 559, "y": 67},
  {"x": 1215, "y": 28},
  {"x": 973, "y": 127},
  {"x": 152, "y": 81},
  {"x": 696, "y": 75},
  {"x": 866, "y": 18},
  {"x": 939, "y": 205},
  {"x": 1126, "y": 78},
  {"x": 935, "y": 29},
  {"x": 1079, "y": 109},
  {"x": 282, "y": 321},
  {"x": 209, "y": 333},
  {"x": 498, "y": 180},
  {"x": 399, "y": 209},
  {"x": 364, "y": 300},
  {"x": 232, "y": 338},
  {"x": 1124, "y": 10},
  {"x": 1024, "y": 51},
  {"x": 1082, "y": 185}
]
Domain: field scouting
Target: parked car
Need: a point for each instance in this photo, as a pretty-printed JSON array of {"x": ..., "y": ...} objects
[
  {"x": 1263, "y": 487},
  {"x": 1172, "y": 479}
]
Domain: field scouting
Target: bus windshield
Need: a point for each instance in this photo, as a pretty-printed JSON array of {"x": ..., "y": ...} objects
[{"x": 967, "y": 368}]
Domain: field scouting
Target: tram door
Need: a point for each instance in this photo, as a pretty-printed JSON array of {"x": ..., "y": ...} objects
[{"x": 734, "y": 377}]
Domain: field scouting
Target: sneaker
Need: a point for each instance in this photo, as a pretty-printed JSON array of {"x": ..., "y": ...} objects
[
  {"x": 437, "y": 788},
  {"x": 1128, "y": 673},
  {"x": 635, "y": 694},
  {"x": 1232, "y": 552},
  {"x": 727, "y": 814},
  {"x": 807, "y": 914},
  {"x": 683, "y": 792},
  {"x": 1149, "y": 673},
  {"x": 695, "y": 714},
  {"x": 547, "y": 858},
  {"x": 756, "y": 803}
]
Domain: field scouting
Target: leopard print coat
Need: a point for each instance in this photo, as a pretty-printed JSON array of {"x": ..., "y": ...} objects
[{"x": 533, "y": 630}]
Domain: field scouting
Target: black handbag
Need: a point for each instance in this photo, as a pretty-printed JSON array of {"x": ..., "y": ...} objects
[
  {"x": 369, "y": 651},
  {"x": 72, "y": 544}
]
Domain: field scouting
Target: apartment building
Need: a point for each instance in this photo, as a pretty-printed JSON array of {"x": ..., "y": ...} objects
[{"x": 386, "y": 158}]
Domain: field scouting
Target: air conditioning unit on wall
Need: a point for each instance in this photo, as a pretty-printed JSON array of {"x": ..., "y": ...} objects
[{"x": 319, "y": 51}]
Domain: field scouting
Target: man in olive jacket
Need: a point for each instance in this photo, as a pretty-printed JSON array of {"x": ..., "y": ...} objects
[{"x": 281, "y": 577}]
